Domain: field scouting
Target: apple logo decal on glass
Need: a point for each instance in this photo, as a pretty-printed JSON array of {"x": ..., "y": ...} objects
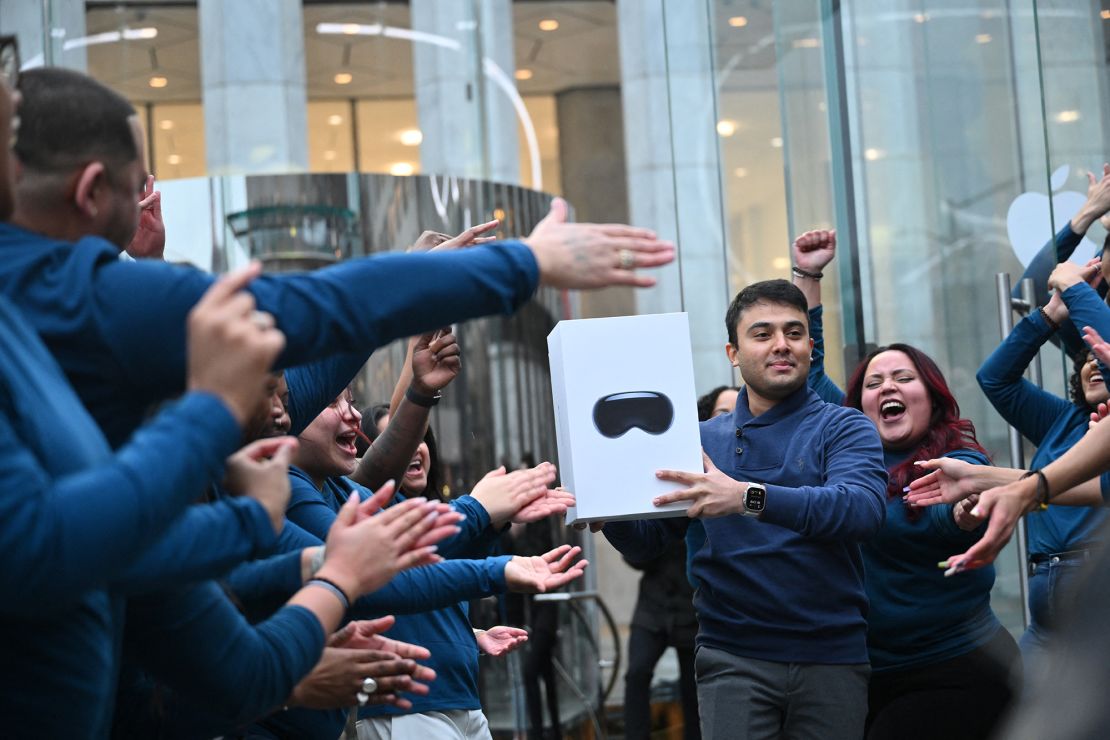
[
  {"x": 1029, "y": 224},
  {"x": 618, "y": 413}
]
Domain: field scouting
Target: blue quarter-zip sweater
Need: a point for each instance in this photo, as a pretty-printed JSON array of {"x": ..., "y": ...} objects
[
  {"x": 787, "y": 587},
  {"x": 1052, "y": 423},
  {"x": 73, "y": 517}
]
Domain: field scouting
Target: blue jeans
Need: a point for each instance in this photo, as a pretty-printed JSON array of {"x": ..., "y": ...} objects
[{"x": 1052, "y": 583}]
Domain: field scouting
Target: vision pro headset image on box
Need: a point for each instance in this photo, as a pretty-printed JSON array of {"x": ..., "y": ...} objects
[{"x": 618, "y": 413}]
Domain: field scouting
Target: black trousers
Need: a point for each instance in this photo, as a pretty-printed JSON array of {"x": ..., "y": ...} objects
[
  {"x": 961, "y": 698},
  {"x": 644, "y": 650},
  {"x": 540, "y": 649}
]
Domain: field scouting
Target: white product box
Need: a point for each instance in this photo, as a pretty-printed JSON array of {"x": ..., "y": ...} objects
[{"x": 625, "y": 406}]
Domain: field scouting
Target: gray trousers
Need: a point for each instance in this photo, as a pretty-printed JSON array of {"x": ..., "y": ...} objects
[{"x": 748, "y": 699}]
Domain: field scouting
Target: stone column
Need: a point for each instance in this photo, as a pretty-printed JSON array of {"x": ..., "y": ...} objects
[
  {"x": 43, "y": 28},
  {"x": 461, "y": 71},
  {"x": 669, "y": 97},
  {"x": 591, "y": 161},
  {"x": 253, "y": 78}
]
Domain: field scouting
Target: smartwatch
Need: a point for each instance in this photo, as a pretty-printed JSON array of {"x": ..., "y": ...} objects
[{"x": 754, "y": 500}]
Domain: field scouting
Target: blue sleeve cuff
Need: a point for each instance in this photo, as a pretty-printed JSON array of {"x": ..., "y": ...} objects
[
  {"x": 523, "y": 256},
  {"x": 1104, "y": 483},
  {"x": 495, "y": 568},
  {"x": 786, "y": 507},
  {"x": 256, "y": 522},
  {"x": 472, "y": 509}
]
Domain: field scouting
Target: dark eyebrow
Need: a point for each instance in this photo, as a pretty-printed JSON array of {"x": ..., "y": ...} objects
[{"x": 792, "y": 324}]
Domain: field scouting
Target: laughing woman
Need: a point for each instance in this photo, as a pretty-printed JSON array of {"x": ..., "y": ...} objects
[{"x": 941, "y": 662}]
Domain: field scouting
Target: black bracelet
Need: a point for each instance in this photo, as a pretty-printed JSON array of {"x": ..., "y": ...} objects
[
  {"x": 1043, "y": 493},
  {"x": 806, "y": 273},
  {"x": 334, "y": 588},
  {"x": 421, "y": 400},
  {"x": 1048, "y": 319}
]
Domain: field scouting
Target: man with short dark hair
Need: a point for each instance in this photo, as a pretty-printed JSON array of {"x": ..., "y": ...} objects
[{"x": 791, "y": 485}]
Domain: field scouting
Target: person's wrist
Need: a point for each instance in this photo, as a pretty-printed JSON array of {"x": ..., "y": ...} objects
[
  {"x": 805, "y": 274},
  {"x": 738, "y": 499},
  {"x": 1083, "y": 219},
  {"x": 420, "y": 387},
  {"x": 347, "y": 583},
  {"x": 427, "y": 400}
]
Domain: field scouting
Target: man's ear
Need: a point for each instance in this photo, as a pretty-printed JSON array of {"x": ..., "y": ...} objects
[
  {"x": 733, "y": 354},
  {"x": 90, "y": 181}
]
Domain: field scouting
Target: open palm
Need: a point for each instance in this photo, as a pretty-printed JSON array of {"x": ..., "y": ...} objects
[{"x": 542, "y": 573}]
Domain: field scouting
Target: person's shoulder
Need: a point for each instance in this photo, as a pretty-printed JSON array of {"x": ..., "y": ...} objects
[
  {"x": 720, "y": 423},
  {"x": 301, "y": 486}
]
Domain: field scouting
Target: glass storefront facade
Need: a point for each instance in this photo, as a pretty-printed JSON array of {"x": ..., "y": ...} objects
[{"x": 946, "y": 140}]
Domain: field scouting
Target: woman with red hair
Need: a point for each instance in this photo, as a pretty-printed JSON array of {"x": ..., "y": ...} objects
[{"x": 942, "y": 664}]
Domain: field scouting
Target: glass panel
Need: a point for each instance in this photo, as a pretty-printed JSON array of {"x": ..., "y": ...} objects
[
  {"x": 389, "y": 136},
  {"x": 330, "y": 138},
  {"x": 178, "y": 140}
]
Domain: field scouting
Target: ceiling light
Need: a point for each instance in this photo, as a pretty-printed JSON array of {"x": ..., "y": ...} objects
[
  {"x": 920, "y": 18},
  {"x": 351, "y": 29},
  {"x": 726, "y": 127},
  {"x": 809, "y": 43},
  {"x": 740, "y": 172},
  {"x": 343, "y": 78},
  {"x": 549, "y": 24},
  {"x": 158, "y": 81},
  {"x": 738, "y": 21},
  {"x": 329, "y": 154},
  {"x": 1067, "y": 116},
  {"x": 166, "y": 125},
  {"x": 523, "y": 74},
  {"x": 335, "y": 119},
  {"x": 174, "y": 159},
  {"x": 983, "y": 38},
  {"x": 411, "y": 137},
  {"x": 777, "y": 142},
  {"x": 873, "y": 154},
  {"x": 1105, "y": 15},
  {"x": 401, "y": 169}
]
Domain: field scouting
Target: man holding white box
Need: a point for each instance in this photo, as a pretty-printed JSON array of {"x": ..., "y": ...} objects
[{"x": 791, "y": 485}]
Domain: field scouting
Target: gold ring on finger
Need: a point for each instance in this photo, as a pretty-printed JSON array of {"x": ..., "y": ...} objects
[{"x": 627, "y": 259}]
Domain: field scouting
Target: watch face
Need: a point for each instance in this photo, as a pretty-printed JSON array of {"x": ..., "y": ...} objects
[{"x": 755, "y": 498}]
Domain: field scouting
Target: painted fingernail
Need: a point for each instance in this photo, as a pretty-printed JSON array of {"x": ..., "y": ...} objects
[
  {"x": 976, "y": 513},
  {"x": 907, "y": 489},
  {"x": 942, "y": 564}
]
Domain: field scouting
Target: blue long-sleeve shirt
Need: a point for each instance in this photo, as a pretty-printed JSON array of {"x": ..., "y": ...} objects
[
  {"x": 787, "y": 587},
  {"x": 118, "y": 328},
  {"x": 917, "y": 616},
  {"x": 1051, "y": 423},
  {"x": 74, "y": 515}
]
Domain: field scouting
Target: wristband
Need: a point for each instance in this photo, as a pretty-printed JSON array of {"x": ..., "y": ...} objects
[
  {"x": 317, "y": 561},
  {"x": 806, "y": 273},
  {"x": 1043, "y": 493},
  {"x": 1048, "y": 319},
  {"x": 421, "y": 400},
  {"x": 329, "y": 585}
]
